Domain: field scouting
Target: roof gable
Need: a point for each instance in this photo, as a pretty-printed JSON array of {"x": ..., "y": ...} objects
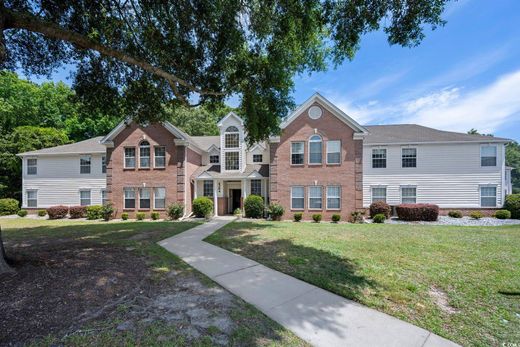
[
  {"x": 121, "y": 126},
  {"x": 230, "y": 115}
]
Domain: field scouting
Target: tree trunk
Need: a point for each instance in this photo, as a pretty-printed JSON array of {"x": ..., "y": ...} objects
[{"x": 4, "y": 267}]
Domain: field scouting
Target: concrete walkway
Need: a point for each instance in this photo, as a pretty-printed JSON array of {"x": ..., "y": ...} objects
[{"x": 313, "y": 314}]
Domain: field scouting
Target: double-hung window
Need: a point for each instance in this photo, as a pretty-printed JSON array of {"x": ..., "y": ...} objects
[
  {"x": 315, "y": 198},
  {"x": 32, "y": 166},
  {"x": 257, "y": 158},
  {"x": 409, "y": 157},
  {"x": 32, "y": 198},
  {"x": 208, "y": 188},
  {"x": 333, "y": 152},
  {"x": 379, "y": 158},
  {"x": 159, "y": 198},
  {"x": 408, "y": 195},
  {"x": 159, "y": 156},
  {"x": 488, "y": 196},
  {"x": 103, "y": 164},
  {"x": 84, "y": 164},
  {"x": 103, "y": 196},
  {"x": 378, "y": 194},
  {"x": 315, "y": 149},
  {"x": 256, "y": 187},
  {"x": 84, "y": 197},
  {"x": 297, "y": 198},
  {"x": 129, "y": 194},
  {"x": 297, "y": 153},
  {"x": 144, "y": 154},
  {"x": 144, "y": 198},
  {"x": 129, "y": 158},
  {"x": 488, "y": 155},
  {"x": 214, "y": 159},
  {"x": 333, "y": 197}
]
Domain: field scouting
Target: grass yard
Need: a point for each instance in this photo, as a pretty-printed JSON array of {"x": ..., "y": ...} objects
[
  {"x": 85, "y": 283},
  {"x": 460, "y": 282}
]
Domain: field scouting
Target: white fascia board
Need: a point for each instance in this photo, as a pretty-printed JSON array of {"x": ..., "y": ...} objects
[{"x": 230, "y": 114}]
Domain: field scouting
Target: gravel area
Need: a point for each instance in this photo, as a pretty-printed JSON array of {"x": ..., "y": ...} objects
[{"x": 464, "y": 221}]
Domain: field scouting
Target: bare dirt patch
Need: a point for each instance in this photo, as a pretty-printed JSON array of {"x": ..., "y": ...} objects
[{"x": 441, "y": 300}]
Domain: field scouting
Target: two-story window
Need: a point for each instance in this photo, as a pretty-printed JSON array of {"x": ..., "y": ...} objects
[
  {"x": 159, "y": 156},
  {"x": 144, "y": 198},
  {"x": 333, "y": 152},
  {"x": 129, "y": 195},
  {"x": 297, "y": 149},
  {"x": 408, "y": 195},
  {"x": 232, "y": 160},
  {"x": 488, "y": 155},
  {"x": 144, "y": 154},
  {"x": 315, "y": 198},
  {"x": 103, "y": 164},
  {"x": 231, "y": 137},
  {"x": 297, "y": 198},
  {"x": 31, "y": 196},
  {"x": 214, "y": 159},
  {"x": 84, "y": 197},
  {"x": 231, "y": 141},
  {"x": 85, "y": 162},
  {"x": 409, "y": 157},
  {"x": 257, "y": 158},
  {"x": 333, "y": 197},
  {"x": 159, "y": 198},
  {"x": 32, "y": 166},
  {"x": 315, "y": 149},
  {"x": 129, "y": 158},
  {"x": 207, "y": 188},
  {"x": 256, "y": 187},
  {"x": 488, "y": 196},
  {"x": 378, "y": 158},
  {"x": 378, "y": 194}
]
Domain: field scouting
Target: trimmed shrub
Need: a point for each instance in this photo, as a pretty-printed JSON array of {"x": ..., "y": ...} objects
[
  {"x": 140, "y": 215},
  {"x": 155, "y": 215},
  {"x": 276, "y": 211},
  {"x": 476, "y": 215},
  {"x": 237, "y": 212},
  {"x": 107, "y": 211},
  {"x": 502, "y": 214},
  {"x": 175, "y": 210},
  {"x": 336, "y": 218},
  {"x": 124, "y": 216},
  {"x": 57, "y": 212},
  {"x": 512, "y": 204},
  {"x": 22, "y": 213},
  {"x": 77, "y": 212},
  {"x": 455, "y": 214},
  {"x": 94, "y": 212},
  {"x": 418, "y": 212},
  {"x": 378, "y": 207},
  {"x": 42, "y": 213},
  {"x": 8, "y": 206},
  {"x": 297, "y": 216},
  {"x": 254, "y": 206},
  {"x": 379, "y": 218},
  {"x": 316, "y": 217},
  {"x": 203, "y": 207},
  {"x": 356, "y": 217}
]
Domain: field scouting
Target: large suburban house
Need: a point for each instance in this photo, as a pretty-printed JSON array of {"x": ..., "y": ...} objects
[{"x": 323, "y": 161}]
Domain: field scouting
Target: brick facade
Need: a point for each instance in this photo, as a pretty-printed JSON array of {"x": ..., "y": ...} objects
[{"x": 348, "y": 174}]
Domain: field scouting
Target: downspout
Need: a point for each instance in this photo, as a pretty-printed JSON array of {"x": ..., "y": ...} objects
[{"x": 185, "y": 181}]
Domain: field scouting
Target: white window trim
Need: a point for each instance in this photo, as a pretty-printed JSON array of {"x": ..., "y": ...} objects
[
  {"x": 309, "y": 150},
  {"x": 327, "y": 198},
  {"x": 89, "y": 166},
  {"x": 104, "y": 160},
  {"x": 213, "y": 155},
  {"x": 372, "y": 192},
  {"x": 251, "y": 186},
  {"x": 309, "y": 199},
  {"x": 124, "y": 158},
  {"x": 372, "y": 158},
  {"x": 90, "y": 196},
  {"x": 297, "y": 208},
  {"x": 155, "y": 156},
  {"x": 416, "y": 156},
  {"x": 149, "y": 156},
  {"x": 154, "y": 198},
  {"x": 327, "y": 152},
  {"x": 225, "y": 161},
  {"x": 303, "y": 154},
  {"x": 27, "y": 166},
  {"x": 27, "y": 200},
  {"x": 124, "y": 198},
  {"x": 101, "y": 195},
  {"x": 401, "y": 192},
  {"x": 261, "y": 157},
  {"x": 480, "y": 194},
  {"x": 150, "y": 190},
  {"x": 232, "y": 133},
  {"x": 496, "y": 155}
]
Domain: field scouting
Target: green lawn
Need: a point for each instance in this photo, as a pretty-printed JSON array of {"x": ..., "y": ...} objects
[
  {"x": 460, "y": 282},
  {"x": 252, "y": 327}
]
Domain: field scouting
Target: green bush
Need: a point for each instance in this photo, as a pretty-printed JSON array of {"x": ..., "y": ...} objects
[
  {"x": 512, "y": 204},
  {"x": 316, "y": 217},
  {"x": 94, "y": 212},
  {"x": 155, "y": 215},
  {"x": 124, "y": 216},
  {"x": 237, "y": 212},
  {"x": 203, "y": 207},
  {"x": 379, "y": 218},
  {"x": 254, "y": 206},
  {"x": 476, "y": 215},
  {"x": 455, "y": 214},
  {"x": 107, "y": 211},
  {"x": 22, "y": 213},
  {"x": 42, "y": 213},
  {"x": 175, "y": 210},
  {"x": 140, "y": 215},
  {"x": 502, "y": 214},
  {"x": 276, "y": 211},
  {"x": 336, "y": 218},
  {"x": 8, "y": 206},
  {"x": 356, "y": 217},
  {"x": 297, "y": 216}
]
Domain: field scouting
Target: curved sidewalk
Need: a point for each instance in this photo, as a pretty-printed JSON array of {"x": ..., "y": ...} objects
[{"x": 312, "y": 313}]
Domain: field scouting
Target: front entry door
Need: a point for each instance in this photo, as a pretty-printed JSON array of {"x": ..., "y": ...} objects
[{"x": 235, "y": 199}]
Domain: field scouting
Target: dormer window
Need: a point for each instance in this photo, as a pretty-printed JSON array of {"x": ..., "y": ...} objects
[
  {"x": 232, "y": 137},
  {"x": 214, "y": 159}
]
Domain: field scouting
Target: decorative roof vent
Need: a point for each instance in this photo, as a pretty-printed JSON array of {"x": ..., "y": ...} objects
[{"x": 315, "y": 112}]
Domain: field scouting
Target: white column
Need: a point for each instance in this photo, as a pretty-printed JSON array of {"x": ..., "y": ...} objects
[
  {"x": 195, "y": 189},
  {"x": 215, "y": 200},
  {"x": 244, "y": 187}
]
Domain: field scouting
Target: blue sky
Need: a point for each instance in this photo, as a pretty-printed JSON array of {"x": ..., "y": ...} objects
[{"x": 463, "y": 75}]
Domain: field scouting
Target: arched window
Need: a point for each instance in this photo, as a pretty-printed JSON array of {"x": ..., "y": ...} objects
[
  {"x": 144, "y": 154},
  {"x": 232, "y": 129},
  {"x": 315, "y": 149},
  {"x": 232, "y": 137}
]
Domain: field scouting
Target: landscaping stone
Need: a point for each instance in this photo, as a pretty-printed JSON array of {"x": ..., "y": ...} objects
[{"x": 464, "y": 221}]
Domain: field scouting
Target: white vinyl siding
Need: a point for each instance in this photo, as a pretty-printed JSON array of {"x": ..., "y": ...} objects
[
  {"x": 315, "y": 198},
  {"x": 333, "y": 152},
  {"x": 297, "y": 198},
  {"x": 333, "y": 197},
  {"x": 32, "y": 166}
]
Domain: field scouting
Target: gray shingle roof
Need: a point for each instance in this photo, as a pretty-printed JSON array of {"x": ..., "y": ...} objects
[
  {"x": 413, "y": 133},
  {"x": 214, "y": 171},
  {"x": 92, "y": 145},
  {"x": 205, "y": 142}
]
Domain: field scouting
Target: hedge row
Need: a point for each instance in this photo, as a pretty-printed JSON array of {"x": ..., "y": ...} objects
[{"x": 418, "y": 212}]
